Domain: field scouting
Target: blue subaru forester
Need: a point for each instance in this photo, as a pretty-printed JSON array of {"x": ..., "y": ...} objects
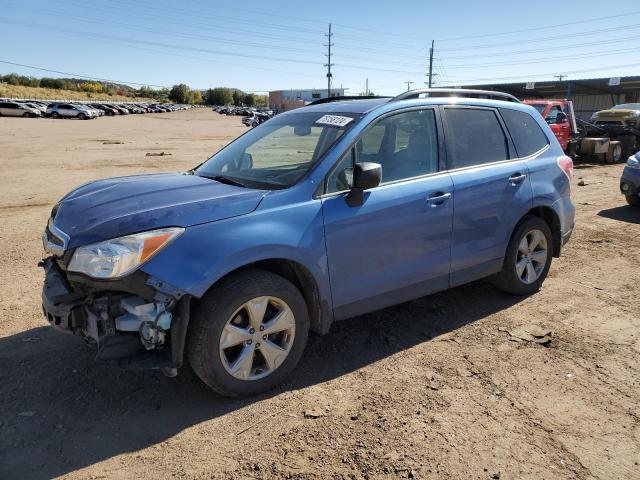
[{"x": 319, "y": 214}]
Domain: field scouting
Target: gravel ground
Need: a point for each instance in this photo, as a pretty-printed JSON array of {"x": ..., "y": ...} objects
[{"x": 448, "y": 386}]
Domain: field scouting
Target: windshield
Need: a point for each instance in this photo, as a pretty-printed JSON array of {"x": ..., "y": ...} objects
[
  {"x": 627, "y": 106},
  {"x": 539, "y": 106},
  {"x": 279, "y": 152}
]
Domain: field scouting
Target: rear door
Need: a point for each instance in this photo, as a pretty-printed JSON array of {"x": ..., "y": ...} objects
[
  {"x": 492, "y": 190},
  {"x": 396, "y": 245}
]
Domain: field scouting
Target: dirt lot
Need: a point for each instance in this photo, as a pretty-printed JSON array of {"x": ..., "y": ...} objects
[{"x": 435, "y": 388}]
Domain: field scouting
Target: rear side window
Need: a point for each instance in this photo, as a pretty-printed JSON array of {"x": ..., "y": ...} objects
[
  {"x": 475, "y": 137},
  {"x": 525, "y": 132}
]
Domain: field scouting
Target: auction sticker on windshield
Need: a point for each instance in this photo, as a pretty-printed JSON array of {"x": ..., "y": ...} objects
[{"x": 334, "y": 120}]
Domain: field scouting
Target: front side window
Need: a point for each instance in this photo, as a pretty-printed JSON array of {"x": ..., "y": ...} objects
[
  {"x": 278, "y": 152},
  {"x": 476, "y": 137},
  {"x": 404, "y": 144},
  {"x": 525, "y": 132}
]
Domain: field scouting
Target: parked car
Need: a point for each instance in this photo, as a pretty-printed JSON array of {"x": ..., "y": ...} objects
[
  {"x": 69, "y": 110},
  {"x": 630, "y": 181},
  {"x": 38, "y": 106},
  {"x": 15, "y": 109},
  {"x": 109, "y": 111},
  {"x": 320, "y": 214}
]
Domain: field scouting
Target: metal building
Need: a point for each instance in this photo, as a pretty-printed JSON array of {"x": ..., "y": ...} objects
[
  {"x": 283, "y": 100},
  {"x": 588, "y": 95}
]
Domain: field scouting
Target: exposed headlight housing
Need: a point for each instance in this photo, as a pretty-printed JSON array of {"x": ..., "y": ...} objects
[
  {"x": 634, "y": 114},
  {"x": 120, "y": 256},
  {"x": 633, "y": 162}
]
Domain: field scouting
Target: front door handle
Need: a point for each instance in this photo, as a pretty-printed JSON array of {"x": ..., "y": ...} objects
[
  {"x": 438, "y": 198},
  {"x": 517, "y": 178}
]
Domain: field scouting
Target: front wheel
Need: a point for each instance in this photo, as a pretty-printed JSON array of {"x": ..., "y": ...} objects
[
  {"x": 633, "y": 200},
  {"x": 248, "y": 333},
  {"x": 55, "y": 115},
  {"x": 528, "y": 258},
  {"x": 82, "y": 116}
]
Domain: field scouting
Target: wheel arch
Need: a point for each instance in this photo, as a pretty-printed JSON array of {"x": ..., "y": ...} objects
[
  {"x": 320, "y": 315},
  {"x": 551, "y": 218}
]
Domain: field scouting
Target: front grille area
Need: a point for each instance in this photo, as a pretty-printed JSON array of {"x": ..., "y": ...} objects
[{"x": 610, "y": 123}]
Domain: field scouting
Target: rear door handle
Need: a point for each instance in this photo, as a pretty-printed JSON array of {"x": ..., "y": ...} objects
[
  {"x": 517, "y": 178},
  {"x": 438, "y": 198}
]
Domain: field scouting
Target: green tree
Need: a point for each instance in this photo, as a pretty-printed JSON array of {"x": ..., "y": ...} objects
[
  {"x": 249, "y": 99},
  {"x": 238, "y": 96},
  {"x": 196, "y": 97},
  {"x": 180, "y": 93},
  {"x": 218, "y": 96}
]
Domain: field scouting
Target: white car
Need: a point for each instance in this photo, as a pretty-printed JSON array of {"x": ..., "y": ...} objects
[
  {"x": 70, "y": 110},
  {"x": 16, "y": 109}
]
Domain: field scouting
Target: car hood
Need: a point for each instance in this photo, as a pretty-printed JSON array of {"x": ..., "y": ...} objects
[
  {"x": 617, "y": 113},
  {"x": 115, "y": 207}
]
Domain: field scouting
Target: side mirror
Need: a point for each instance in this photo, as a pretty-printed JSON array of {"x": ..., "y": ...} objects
[
  {"x": 365, "y": 176},
  {"x": 562, "y": 117}
]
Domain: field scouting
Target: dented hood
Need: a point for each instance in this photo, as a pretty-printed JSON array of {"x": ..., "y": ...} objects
[{"x": 115, "y": 207}]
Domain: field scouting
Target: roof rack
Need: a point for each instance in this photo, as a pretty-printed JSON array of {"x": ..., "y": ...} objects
[
  {"x": 342, "y": 98},
  {"x": 455, "y": 92}
]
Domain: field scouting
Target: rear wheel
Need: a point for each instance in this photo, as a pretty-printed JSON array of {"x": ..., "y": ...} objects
[
  {"x": 55, "y": 115},
  {"x": 632, "y": 200},
  {"x": 27, "y": 114},
  {"x": 614, "y": 154},
  {"x": 248, "y": 333},
  {"x": 528, "y": 258}
]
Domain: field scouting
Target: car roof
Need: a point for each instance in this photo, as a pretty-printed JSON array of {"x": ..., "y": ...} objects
[{"x": 384, "y": 105}]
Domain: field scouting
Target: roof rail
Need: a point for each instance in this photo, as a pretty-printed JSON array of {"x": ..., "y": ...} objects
[
  {"x": 455, "y": 92},
  {"x": 344, "y": 97}
]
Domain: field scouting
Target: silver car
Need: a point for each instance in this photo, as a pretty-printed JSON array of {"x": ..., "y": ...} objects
[
  {"x": 15, "y": 109},
  {"x": 69, "y": 110}
]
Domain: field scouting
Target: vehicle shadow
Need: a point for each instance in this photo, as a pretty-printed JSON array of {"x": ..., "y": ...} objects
[
  {"x": 60, "y": 411},
  {"x": 625, "y": 213}
]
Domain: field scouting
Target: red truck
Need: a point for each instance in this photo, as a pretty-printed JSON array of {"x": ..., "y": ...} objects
[{"x": 607, "y": 144}]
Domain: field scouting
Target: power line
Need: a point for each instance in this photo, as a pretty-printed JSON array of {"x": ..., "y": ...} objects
[
  {"x": 537, "y": 75},
  {"x": 543, "y": 39},
  {"x": 546, "y": 27},
  {"x": 77, "y": 75},
  {"x": 545, "y": 59},
  {"x": 547, "y": 49}
]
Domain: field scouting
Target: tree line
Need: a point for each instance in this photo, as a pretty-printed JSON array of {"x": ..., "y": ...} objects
[{"x": 180, "y": 93}]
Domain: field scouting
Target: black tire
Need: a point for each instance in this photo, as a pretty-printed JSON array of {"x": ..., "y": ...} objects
[
  {"x": 633, "y": 200},
  {"x": 82, "y": 116},
  {"x": 210, "y": 315},
  {"x": 54, "y": 115},
  {"x": 614, "y": 153},
  {"x": 27, "y": 114},
  {"x": 507, "y": 279}
]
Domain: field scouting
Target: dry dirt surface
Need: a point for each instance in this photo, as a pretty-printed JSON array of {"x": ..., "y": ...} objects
[{"x": 463, "y": 384}]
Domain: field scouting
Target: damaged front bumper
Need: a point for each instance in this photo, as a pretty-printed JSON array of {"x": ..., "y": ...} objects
[{"x": 138, "y": 322}]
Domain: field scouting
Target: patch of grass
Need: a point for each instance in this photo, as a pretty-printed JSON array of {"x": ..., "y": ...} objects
[{"x": 39, "y": 93}]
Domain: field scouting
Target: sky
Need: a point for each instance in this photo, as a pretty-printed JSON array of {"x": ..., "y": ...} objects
[{"x": 260, "y": 46}]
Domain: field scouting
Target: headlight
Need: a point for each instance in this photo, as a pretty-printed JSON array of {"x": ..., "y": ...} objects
[
  {"x": 120, "y": 256},
  {"x": 633, "y": 162},
  {"x": 634, "y": 114}
]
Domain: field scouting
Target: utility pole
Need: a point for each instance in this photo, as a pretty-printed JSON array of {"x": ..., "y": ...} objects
[
  {"x": 431, "y": 64},
  {"x": 408, "y": 85},
  {"x": 366, "y": 88},
  {"x": 329, "y": 64},
  {"x": 560, "y": 77}
]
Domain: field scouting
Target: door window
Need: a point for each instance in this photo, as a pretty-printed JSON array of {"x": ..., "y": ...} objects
[
  {"x": 525, "y": 132},
  {"x": 404, "y": 144},
  {"x": 476, "y": 137}
]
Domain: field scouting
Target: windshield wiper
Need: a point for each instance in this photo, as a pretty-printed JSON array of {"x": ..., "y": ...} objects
[{"x": 223, "y": 179}]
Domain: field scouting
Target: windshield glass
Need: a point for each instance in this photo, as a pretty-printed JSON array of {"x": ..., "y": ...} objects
[
  {"x": 539, "y": 106},
  {"x": 279, "y": 152},
  {"x": 627, "y": 106}
]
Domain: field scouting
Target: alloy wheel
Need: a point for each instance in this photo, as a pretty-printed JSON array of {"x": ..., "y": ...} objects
[
  {"x": 257, "y": 338},
  {"x": 531, "y": 256}
]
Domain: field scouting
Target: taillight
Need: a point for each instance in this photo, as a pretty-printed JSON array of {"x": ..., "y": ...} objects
[{"x": 566, "y": 165}]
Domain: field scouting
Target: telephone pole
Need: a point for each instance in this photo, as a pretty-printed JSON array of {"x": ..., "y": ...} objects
[
  {"x": 408, "y": 85},
  {"x": 431, "y": 64},
  {"x": 329, "y": 64},
  {"x": 560, "y": 77},
  {"x": 366, "y": 88}
]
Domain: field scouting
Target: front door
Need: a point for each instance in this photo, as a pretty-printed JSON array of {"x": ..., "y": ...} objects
[{"x": 395, "y": 246}]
